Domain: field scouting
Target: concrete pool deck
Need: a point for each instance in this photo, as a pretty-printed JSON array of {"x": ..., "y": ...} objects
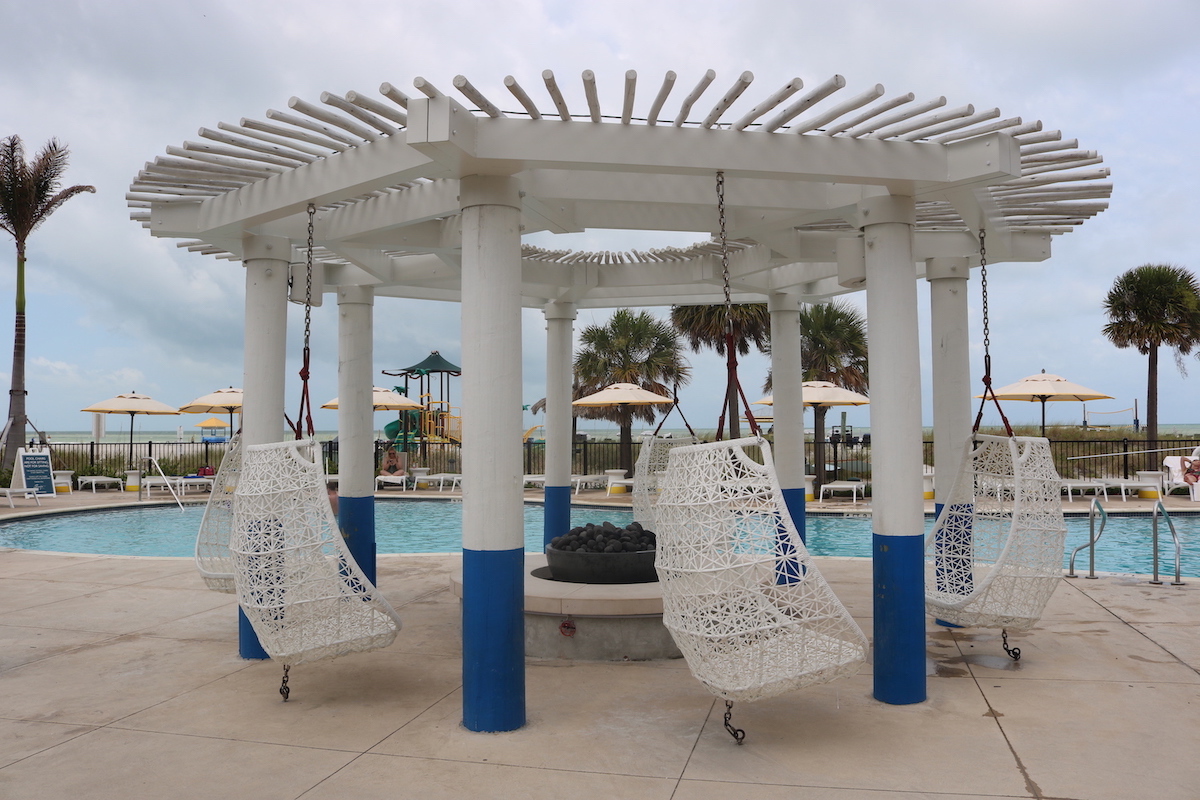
[{"x": 119, "y": 678}]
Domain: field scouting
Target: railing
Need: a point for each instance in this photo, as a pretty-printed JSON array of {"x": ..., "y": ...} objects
[
  {"x": 1093, "y": 536},
  {"x": 166, "y": 480},
  {"x": 1097, "y": 510},
  {"x": 1160, "y": 508},
  {"x": 1098, "y": 458}
]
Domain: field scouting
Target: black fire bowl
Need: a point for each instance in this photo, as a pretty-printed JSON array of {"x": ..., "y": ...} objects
[{"x": 581, "y": 566}]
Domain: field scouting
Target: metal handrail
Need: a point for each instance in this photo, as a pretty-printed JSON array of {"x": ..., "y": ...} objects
[
  {"x": 1093, "y": 537},
  {"x": 1158, "y": 506},
  {"x": 166, "y": 481}
]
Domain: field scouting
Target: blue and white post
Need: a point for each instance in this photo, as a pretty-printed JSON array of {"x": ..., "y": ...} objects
[
  {"x": 897, "y": 506},
  {"x": 787, "y": 392},
  {"x": 560, "y": 318},
  {"x": 356, "y": 429},
  {"x": 266, "y": 259},
  {"x": 493, "y": 520}
]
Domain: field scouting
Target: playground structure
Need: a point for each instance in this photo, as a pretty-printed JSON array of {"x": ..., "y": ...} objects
[
  {"x": 438, "y": 421},
  {"x": 426, "y": 198}
]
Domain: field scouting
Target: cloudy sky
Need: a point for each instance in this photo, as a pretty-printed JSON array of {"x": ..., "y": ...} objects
[{"x": 112, "y": 309}]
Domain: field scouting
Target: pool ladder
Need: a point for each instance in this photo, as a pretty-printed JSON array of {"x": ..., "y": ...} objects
[{"x": 1097, "y": 510}]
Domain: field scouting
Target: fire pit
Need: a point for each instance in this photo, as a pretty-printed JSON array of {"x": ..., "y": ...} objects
[{"x": 603, "y": 554}]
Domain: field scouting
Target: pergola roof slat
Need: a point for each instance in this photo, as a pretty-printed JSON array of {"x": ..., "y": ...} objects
[
  {"x": 526, "y": 102},
  {"x": 337, "y": 120},
  {"x": 685, "y": 107},
  {"x": 661, "y": 98},
  {"x": 344, "y": 105},
  {"x": 824, "y": 90},
  {"x": 475, "y": 96},
  {"x": 375, "y": 107},
  {"x": 739, "y": 86},
  {"x": 777, "y": 97}
]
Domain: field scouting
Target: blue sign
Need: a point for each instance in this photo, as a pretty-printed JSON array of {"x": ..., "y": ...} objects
[{"x": 35, "y": 469}]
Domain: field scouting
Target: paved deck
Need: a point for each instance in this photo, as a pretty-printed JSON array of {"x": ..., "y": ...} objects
[{"x": 119, "y": 678}]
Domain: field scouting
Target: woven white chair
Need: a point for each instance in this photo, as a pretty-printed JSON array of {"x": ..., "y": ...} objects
[
  {"x": 742, "y": 598},
  {"x": 995, "y": 555},
  {"x": 296, "y": 581},
  {"x": 651, "y": 465},
  {"x": 212, "y": 540}
]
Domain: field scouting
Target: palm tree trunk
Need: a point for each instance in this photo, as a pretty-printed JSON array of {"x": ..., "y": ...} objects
[
  {"x": 16, "y": 394},
  {"x": 731, "y": 391},
  {"x": 1152, "y": 405}
]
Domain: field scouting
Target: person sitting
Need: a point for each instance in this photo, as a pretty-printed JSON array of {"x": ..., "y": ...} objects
[
  {"x": 1191, "y": 470},
  {"x": 392, "y": 463}
]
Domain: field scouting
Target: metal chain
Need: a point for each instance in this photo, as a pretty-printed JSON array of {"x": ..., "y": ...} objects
[
  {"x": 1013, "y": 652},
  {"x": 724, "y": 249},
  {"x": 738, "y": 734},
  {"x": 987, "y": 331},
  {"x": 312, "y": 212},
  {"x": 283, "y": 687}
]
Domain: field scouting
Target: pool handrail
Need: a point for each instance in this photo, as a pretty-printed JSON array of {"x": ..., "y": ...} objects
[
  {"x": 166, "y": 480},
  {"x": 1093, "y": 537},
  {"x": 1158, "y": 506}
]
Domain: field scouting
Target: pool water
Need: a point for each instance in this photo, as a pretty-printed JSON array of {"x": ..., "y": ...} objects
[{"x": 435, "y": 526}]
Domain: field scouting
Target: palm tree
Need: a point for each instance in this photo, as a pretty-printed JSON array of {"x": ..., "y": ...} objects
[
  {"x": 1148, "y": 307},
  {"x": 833, "y": 347},
  {"x": 29, "y": 194},
  {"x": 635, "y": 348},
  {"x": 704, "y": 326}
]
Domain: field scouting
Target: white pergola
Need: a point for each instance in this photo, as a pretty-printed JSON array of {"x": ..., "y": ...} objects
[{"x": 426, "y": 196}]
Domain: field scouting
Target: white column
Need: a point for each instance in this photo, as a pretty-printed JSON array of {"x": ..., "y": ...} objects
[
  {"x": 787, "y": 392},
  {"x": 951, "y": 364},
  {"x": 266, "y": 261},
  {"x": 560, "y": 317},
  {"x": 493, "y": 520},
  {"x": 356, "y": 429},
  {"x": 897, "y": 508}
]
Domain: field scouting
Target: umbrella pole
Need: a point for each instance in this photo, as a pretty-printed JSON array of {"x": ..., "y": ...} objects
[
  {"x": 131, "y": 416},
  {"x": 1043, "y": 418}
]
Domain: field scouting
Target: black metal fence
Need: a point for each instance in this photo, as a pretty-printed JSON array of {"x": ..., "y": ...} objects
[
  {"x": 1093, "y": 458},
  {"x": 111, "y": 458}
]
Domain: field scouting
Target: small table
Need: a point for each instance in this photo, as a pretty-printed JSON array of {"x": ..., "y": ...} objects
[
  {"x": 419, "y": 475},
  {"x": 62, "y": 480}
]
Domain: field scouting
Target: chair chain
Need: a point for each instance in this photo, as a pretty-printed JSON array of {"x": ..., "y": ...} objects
[{"x": 738, "y": 734}]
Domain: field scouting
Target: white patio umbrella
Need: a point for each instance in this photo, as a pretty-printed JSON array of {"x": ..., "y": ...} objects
[
  {"x": 824, "y": 393},
  {"x": 1043, "y": 387},
  {"x": 131, "y": 404},
  {"x": 384, "y": 400},
  {"x": 623, "y": 394},
  {"x": 222, "y": 401}
]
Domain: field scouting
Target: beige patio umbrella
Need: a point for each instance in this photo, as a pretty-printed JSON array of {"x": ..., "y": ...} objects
[
  {"x": 622, "y": 394},
  {"x": 384, "y": 400},
  {"x": 222, "y": 401},
  {"x": 1043, "y": 387},
  {"x": 824, "y": 393},
  {"x": 131, "y": 404}
]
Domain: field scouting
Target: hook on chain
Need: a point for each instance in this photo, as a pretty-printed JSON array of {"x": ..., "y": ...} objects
[
  {"x": 738, "y": 734},
  {"x": 1013, "y": 652}
]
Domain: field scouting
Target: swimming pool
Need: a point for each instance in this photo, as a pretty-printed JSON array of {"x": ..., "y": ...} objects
[{"x": 434, "y": 526}]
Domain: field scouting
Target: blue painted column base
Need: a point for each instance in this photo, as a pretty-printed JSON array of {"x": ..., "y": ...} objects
[
  {"x": 248, "y": 644},
  {"x": 794, "y": 500},
  {"x": 493, "y": 608},
  {"x": 356, "y": 518},
  {"x": 557, "y": 512},
  {"x": 899, "y": 576}
]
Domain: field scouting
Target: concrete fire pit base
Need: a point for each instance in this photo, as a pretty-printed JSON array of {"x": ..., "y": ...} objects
[{"x": 590, "y": 622}]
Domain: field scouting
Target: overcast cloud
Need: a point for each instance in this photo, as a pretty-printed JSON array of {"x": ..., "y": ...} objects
[{"x": 112, "y": 309}]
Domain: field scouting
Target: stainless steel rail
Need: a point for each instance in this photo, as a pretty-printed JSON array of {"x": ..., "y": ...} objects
[
  {"x": 1096, "y": 510},
  {"x": 1159, "y": 507}
]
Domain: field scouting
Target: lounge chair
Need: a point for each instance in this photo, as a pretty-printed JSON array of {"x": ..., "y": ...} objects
[
  {"x": 1097, "y": 486},
  {"x": 854, "y": 487},
  {"x": 1146, "y": 480},
  {"x": 26, "y": 493},
  {"x": 594, "y": 481},
  {"x": 1173, "y": 468},
  {"x": 101, "y": 480}
]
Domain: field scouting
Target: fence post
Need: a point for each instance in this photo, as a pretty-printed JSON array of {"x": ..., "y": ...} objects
[
  {"x": 584, "y": 450},
  {"x": 1125, "y": 457},
  {"x": 91, "y": 454}
]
